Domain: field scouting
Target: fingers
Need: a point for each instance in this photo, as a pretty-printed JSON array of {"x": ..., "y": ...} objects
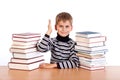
[
  {"x": 49, "y": 22},
  {"x": 49, "y": 28}
]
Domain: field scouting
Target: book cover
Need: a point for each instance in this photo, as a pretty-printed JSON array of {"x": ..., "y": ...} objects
[
  {"x": 93, "y": 60},
  {"x": 92, "y": 64},
  {"x": 24, "y": 43},
  {"x": 90, "y": 56},
  {"x": 23, "y": 46},
  {"x": 90, "y": 48},
  {"x": 24, "y": 66},
  {"x": 92, "y": 52},
  {"x": 27, "y": 55},
  {"x": 25, "y": 39},
  {"x": 25, "y": 50},
  {"x": 92, "y": 68},
  {"x": 26, "y": 35},
  {"x": 24, "y": 60},
  {"x": 88, "y": 34},
  {"x": 95, "y": 44},
  {"x": 90, "y": 40}
]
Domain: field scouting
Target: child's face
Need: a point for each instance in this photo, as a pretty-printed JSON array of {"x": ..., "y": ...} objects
[{"x": 64, "y": 28}]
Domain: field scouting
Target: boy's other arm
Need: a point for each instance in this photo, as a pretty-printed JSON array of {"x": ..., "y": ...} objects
[
  {"x": 73, "y": 62},
  {"x": 47, "y": 65}
]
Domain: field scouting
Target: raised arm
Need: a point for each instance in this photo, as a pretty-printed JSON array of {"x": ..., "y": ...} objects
[{"x": 44, "y": 44}]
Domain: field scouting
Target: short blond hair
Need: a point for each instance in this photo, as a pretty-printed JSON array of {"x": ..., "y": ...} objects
[{"x": 64, "y": 16}]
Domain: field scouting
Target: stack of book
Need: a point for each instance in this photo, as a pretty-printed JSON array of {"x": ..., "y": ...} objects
[
  {"x": 91, "y": 49},
  {"x": 24, "y": 51}
]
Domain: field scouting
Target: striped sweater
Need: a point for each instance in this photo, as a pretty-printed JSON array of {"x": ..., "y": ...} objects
[{"x": 62, "y": 52}]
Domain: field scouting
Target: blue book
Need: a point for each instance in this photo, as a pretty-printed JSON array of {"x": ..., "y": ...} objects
[{"x": 88, "y": 34}]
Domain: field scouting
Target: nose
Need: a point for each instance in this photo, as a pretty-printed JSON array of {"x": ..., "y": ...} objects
[{"x": 64, "y": 28}]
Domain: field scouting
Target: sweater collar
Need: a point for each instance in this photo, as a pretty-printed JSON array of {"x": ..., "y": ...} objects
[{"x": 63, "y": 39}]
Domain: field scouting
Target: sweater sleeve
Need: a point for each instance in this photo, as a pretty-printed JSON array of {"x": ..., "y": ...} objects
[
  {"x": 72, "y": 62},
  {"x": 44, "y": 44}
]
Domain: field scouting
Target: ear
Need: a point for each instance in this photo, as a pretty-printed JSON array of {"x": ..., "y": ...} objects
[
  {"x": 55, "y": 27},
  {"x": 71, "y": 28}
]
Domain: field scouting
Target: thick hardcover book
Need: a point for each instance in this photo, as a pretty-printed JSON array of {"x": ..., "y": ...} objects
[
  {"x": 95, "y": 44},
  {"x": 90, "y": 40},
  {"x": 92, "y": 68},
  {"x": 25, "y": 39},
  {"x": 24, "y": 43},
  {"x": 92, "y": 64},
  {"x": 27, "y": 55},
  {"x": 26, "y": 35},
  {"x": 90, "y": 48},
  {"x": 93, "y": 60},
  {"x": 25, "y": 66},
  {"x": 24, "y": 60},
  {"x": 23, "y": 46},
  {"x": 25, "y": 50},
  {"x": 88, "y": 34},
  {"x": 92, "y": 52},
  {"x": 91, "y": 56}
]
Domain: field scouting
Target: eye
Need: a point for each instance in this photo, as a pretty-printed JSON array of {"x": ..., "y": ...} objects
[
  {"x": 60, "y": 26},
  {"x": 67, "y": 26}
]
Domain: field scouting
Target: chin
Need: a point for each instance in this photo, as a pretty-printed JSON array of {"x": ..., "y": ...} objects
[{"x": 63, "y": 35}]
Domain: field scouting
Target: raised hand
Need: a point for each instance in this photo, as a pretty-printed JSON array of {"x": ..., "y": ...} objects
[{"x": 49, "y": 31}]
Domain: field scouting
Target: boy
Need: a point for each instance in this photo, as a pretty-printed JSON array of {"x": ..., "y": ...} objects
[{"x": 63, "y": 54}]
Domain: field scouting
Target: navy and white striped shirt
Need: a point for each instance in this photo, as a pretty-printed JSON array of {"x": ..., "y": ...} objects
[{"x": 62, "y": 52}]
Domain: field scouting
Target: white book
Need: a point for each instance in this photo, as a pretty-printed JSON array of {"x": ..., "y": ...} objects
[
  {"x": 92, "y": 64},
  {"x": 90, "y": 48},
  {"x": 102, "y": 59},
  {"x": 88, "y": 34},
  {"x": 92, "y": 52},
  {"x": 19, "y": 50},
  {"x": 23, "y": 46},
  {"x": 93, "y": 68},
  {"x": 26, "y": 35},
  {"x": 29, "y": 66},
  {"x": 90, "y": 40},
  {"x": 25, "y": 39},
  {"x": 30, "y": 60},
  {"x": 90, "y": 56},
  {"x": 24, "y": 43},
  {"x": 27, "y": 55},
  {"x": 95, "y": 44}
]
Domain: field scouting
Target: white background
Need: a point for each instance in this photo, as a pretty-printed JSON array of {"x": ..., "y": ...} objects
[{"x": 32, "y": 16}]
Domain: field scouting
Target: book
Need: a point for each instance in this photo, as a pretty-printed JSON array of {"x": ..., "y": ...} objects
[
  {"x": 25, "y": 50},
  {"x": 92, "y": 64},
  {"x": 26, "y": 35},
  {"x": 23, "y": 46},
  {"x": 92, "y": 68},
  {"x": 95, "y": 44},
  {"x": 93, "y": 60},
  {"x": 24, "y": 66},
  {"x": 25, "y": 39},
  {"x": 24, "y": 43},
  {"x": 91, "y": 52},
  {"x": 24, "y": 60},
  {"x": 27, "y": 55},
  {"x": 90, "y": 48},
  {"x": 90, "y": 40},
  {"x": 91, "y": 56},
  {"x": 88, "y": 34}
]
